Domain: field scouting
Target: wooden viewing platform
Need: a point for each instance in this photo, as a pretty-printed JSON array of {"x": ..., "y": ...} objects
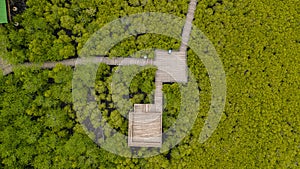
[{"x": 145, "y": 118}]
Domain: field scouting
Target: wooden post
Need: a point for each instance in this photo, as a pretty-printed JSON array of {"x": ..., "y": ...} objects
[{"x": 8, "y": 10}]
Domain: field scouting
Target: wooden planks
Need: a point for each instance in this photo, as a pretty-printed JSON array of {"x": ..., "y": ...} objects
[
  {"x": 116, "y": 61},
  {"x": 79, "y": 61},
  {"x": 188, "y": 25},
  {"x": 145, "y": 129},
  {"x": 173, "y": 66}
]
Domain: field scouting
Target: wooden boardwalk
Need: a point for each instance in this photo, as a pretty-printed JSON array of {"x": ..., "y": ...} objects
[
  {"x": 145, "y": 122},
  {"x": 188, "y": 25},
  {"x": 7, "y": 68},
  {"x": 117, "y": 61},
  {"x": 145, "y": 127}
]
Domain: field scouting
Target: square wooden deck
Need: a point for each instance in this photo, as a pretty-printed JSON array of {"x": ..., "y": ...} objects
[{"x": 145, "y": 126}]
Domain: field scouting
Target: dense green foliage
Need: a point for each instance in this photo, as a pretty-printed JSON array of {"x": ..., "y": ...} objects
[{"x": 258, "y": 42}]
